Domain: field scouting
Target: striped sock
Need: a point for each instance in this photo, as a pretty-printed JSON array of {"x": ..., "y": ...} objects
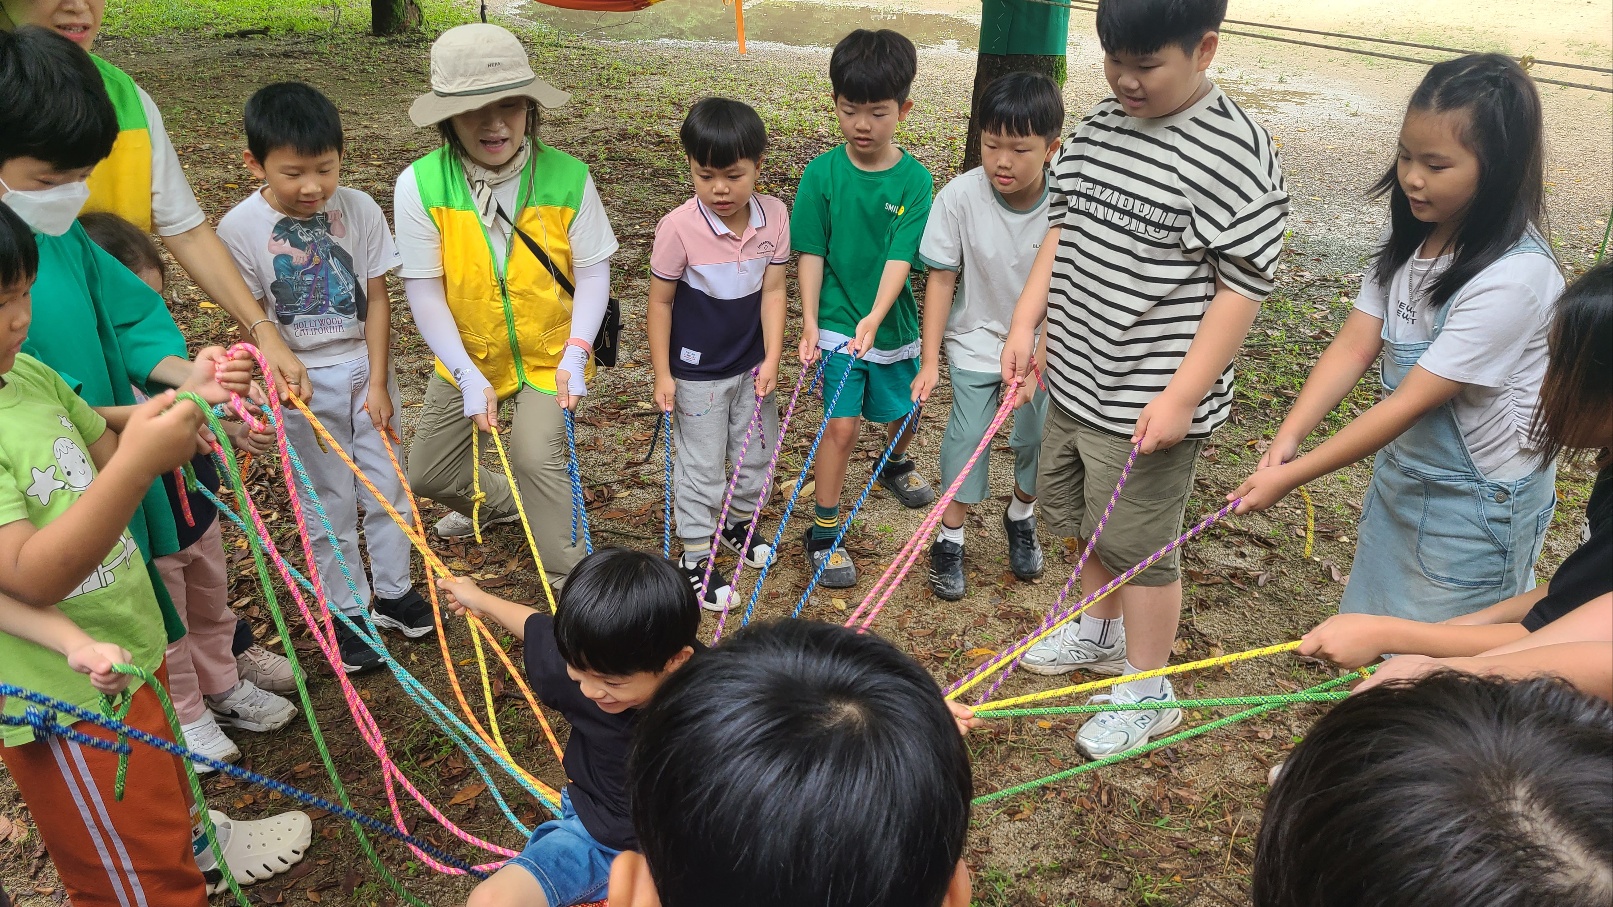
[{"x": 827, "y": 522}]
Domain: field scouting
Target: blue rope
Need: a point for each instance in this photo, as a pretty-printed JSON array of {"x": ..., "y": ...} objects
[
  {"x": 806, "y": 468},
  {"x": 579, "y": 504},
  {"x": 42, "y": 718},
  {"x": 852, "y": 514},
  {"x": 665, "y": 425}
]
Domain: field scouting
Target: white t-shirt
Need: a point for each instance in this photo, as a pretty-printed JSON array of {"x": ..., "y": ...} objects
[
  {"x": 420, "y": 244},
  {"x": 173, "y": 205},
  {"x": 973, "y": 230},
  {"x": 1493, "y": 342},
  {"x": 312, "y": 275}
]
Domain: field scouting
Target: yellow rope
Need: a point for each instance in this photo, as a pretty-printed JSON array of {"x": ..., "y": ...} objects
[
  {"x": 1025, "y": 646},
  {"x": 1143, "y": 675},
  {"x": 477, "y": 495},
  {"x": 1310, "y": 521},
  {"x": 526, "y": 526}
]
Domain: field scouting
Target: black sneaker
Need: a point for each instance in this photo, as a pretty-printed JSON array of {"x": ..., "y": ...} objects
[
  {"x": 946, "y": 570},
  {"x": 357, "y": 656},
  {"x": 757, "y": 554},
  {"x": 902, "y": 479},
  {"x": 408, "y": 614},
  {"x": 1024, "y": 551},
  {"x": 719, "y": 595},
  {"x": 838, "y": 570}
]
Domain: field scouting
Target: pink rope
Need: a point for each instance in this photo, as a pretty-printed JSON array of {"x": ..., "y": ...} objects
[{"x": 733, "y": 483}]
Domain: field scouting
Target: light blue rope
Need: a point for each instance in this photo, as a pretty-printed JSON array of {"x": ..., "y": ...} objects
[{"x": 579, "y": 504}]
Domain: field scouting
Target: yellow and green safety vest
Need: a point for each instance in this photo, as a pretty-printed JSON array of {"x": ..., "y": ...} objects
[
  {"x": 121, "y": 184},
  {"x": 514, "y": 320}
]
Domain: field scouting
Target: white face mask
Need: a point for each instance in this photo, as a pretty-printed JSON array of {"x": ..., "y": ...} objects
[{"x": 50, "y": 211}]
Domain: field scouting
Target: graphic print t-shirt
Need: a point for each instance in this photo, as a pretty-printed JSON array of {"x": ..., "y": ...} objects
[{"x": 312, "y": 274}]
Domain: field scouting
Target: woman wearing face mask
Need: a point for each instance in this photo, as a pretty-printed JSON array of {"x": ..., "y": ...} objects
[
  {"x": 475, "y": 221},
  {"x": 142, "y": 182}
]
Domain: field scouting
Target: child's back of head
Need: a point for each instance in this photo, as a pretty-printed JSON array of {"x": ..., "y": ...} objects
[
  {"x": 53, "y": 102},
  {"x": 868, "y": 67},
  {"x": 291, "y": 116},
  {"x": 1144, "y": 27},
  {"x": 130, "y": 245},
  {"x": 719, "y": 132},
  {"x": 841, "y": 777},
  {"x": 1453, "y": 790},
  {"x": 624, "y": 612}
]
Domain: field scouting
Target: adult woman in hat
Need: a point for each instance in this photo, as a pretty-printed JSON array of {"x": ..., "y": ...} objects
[{"x": 476, "y": 220}]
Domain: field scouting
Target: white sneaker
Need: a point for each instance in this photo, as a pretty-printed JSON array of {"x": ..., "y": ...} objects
[
  {"x": 255, "y": 850},
  {"x": 252, "y": 709},
  {"x": 1108, "y": 733},
  {"x": 1064, "y": 650},
  {"x": 205, "y": 738},
  {"x": 266, "y": 670},
  {"x": 456, "y": 525}
]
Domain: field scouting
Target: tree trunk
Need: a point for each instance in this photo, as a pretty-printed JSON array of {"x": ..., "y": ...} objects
[
  {"x": 1015, "y": 36},
  {"x": 394, "y": 17}
]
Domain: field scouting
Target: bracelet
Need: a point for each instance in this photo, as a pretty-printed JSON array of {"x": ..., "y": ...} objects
[
  {"x": 585, "y": 346},
  {"x": 252, "y": 329}
]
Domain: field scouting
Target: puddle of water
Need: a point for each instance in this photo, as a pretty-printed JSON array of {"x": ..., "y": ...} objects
[
  {"x": 1266, "y": 98},
  {"x": 792, "y": 22}
]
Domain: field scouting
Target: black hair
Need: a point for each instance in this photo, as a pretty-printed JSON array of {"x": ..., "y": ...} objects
[
  {"x": 872, "y": 66},
  {"x": 53, "y": 103},
  {"x": 1021, "y": 104},
  {"x": 719, "y": 133},
  {"x": 1504, "y": 131},
  {"x": 844, "y": 779},
  {"x": 19, "y": 253},
  {"x": 1577, "y": 392},
  {"x": 124, "y": 241},
  {"x": 1143, "y": 27},
  {"x": 291, "y": 116},
  {"x": 1451, "y": 790},
  {"x": 622, "y": 612}
]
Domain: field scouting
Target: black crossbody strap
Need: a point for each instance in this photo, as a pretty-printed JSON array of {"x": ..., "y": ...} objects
[{"x": 542, "y": 256}]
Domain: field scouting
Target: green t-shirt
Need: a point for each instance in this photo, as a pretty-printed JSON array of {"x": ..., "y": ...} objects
[
  {"x": 857, "y": 220},
  {"x": 45, "y": 435}
]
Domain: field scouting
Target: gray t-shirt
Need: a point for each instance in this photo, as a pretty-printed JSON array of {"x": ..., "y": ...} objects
[
  {"x": 1493, "y": 342},
  {"x": 973, "y": 230}
]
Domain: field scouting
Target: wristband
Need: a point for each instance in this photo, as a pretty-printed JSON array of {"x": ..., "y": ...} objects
[
  {"x": 252, "y": 329},
  {"x": 579, "y": 343}
]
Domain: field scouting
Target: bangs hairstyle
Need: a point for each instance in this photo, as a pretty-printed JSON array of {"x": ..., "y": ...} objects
[
  {"x": 872, "y": 66},
  {"x": 1143, "y": 27},
  {"x": 622, "y": 612},
  {"x": 291, "y": 116},
  {"x": 130, "y": 245},
  {"x": 1472, "y": 790},
  {"x": 19, "y": 254},
  {"x": 844, "y": 778},
  {"x": 1022, "y": 104},
  {"x": 53, "y": 103},
  {"x": 1577, "y": 393},
  {"x": 1502, "y": 128},
  {"x": 719, "y": 133}
]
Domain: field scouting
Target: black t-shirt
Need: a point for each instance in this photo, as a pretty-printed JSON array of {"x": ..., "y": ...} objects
[
  {"x": 1588, "y": 572},
  {"x": 596, "y": 754},
  {"x": 202, "y": 510}
]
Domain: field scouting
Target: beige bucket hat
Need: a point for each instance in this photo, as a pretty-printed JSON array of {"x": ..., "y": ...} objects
[{"x": 475, "y": 65}]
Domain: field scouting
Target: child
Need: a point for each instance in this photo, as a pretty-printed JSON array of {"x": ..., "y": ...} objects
[
  {"x": 205, "y": 678},
  {"x": 1451, "y": 790},
  {"x": 858, "y": 217},
  {"x": 65, "y": 549},
  {"x": 988, "y": 223},
  {"x": 716, "y": 313},
  {"x": 1458, "y": 300},
  {"x": 316, "y": 254},
  {"x": 1167, "y": 212},
  {"x": 626, "y": 621},
  {"x": 844, "y": 779}
]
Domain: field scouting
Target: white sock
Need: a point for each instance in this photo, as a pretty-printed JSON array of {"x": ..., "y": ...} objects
[
  {"x": 1021, "y": 510},
  {"x": 220, "y": 697},
  {"x": 949, "y": 534},
  {"x": 1102, "y": 632},
  {"x": 1147, "y": 688},
  {"x": 691, "y": 559}
]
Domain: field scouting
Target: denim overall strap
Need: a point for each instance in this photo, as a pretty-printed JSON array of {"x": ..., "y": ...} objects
[{"x": 1437, "y": 539}]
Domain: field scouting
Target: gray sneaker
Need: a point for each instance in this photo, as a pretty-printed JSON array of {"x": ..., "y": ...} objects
[
  {"x": 903, "y": 480},
  {"x": 1109, "y": 733},
  {"x": 1064, "y": 650},
  {"x": 458, "y": 526},
  {"x": 838, "y": 570}
]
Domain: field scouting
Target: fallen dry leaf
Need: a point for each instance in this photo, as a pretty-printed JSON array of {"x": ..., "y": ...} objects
[{"x": 468, "y": 793}]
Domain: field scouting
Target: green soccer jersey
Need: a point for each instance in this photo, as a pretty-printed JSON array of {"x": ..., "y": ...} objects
[
  {"x": 857, "y": 220},
  {"x": 45, "y": 435}
]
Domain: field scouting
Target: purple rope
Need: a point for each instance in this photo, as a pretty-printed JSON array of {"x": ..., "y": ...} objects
[
  {"x": 728, "y": 496},
  {"x": 767, "y": 481}
]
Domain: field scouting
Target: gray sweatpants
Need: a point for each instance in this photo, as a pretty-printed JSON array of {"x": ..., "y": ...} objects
[{"x": 712, "y": 418}]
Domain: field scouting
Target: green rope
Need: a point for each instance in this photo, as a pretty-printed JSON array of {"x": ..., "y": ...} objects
[
  {"x": 265, "y": 579},
  {"x": 1158, "y": 744},
  {"x": 190, "y": 770},
  {"x": 117, "y": 709},
  {"x": 1605, "y": 234},
  {"x": 1091, "y": 707}
]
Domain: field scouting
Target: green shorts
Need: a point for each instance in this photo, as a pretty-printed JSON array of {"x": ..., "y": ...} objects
[
  {"x": 878, "y": 392},
  {"x": 975, "y": 398}
]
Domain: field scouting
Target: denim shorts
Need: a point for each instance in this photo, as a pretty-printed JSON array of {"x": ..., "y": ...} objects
[{"x": 570, "y": 866}]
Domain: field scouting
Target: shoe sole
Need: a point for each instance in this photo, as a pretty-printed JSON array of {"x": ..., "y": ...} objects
[
  {"x": 945, "y": 596},
  {"x": 362, "y": 669},
  {"x": 392, "y": 623},
  {"x": 486, "y": 525},
  {"x": 904, "y": 497},
  {"x": 247, "y": 724},
  {"x": 1107, "y": 670},
  {"x": 1029, "y": 576},
  {"x": 1158, "y": 730}
]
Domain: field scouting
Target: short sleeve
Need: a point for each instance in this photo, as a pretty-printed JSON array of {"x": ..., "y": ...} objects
[
  {"x": 592, "y": 239},
  {"x": 91, "y": 426},
  {"x": 942, "y": 245},
  {"x": 1488, "y": 328},
  {"x": 777, "y": 213},
  {"x": 419, "y": 243},
  {"x": 668, "y": 257},
  {"x": 13, "y": 507},
  {"x": 235, "y": 231},
  {"x": 381, "y": 254},
  {"x": 1060, "y": 182},
  {"x": 145, "y": 330},
  {"x": 909, "y": 231},
  {"x": 809, "y": 219},
  {"x": 173, "y": 205},
  {"x": 1246, "y": 251}
]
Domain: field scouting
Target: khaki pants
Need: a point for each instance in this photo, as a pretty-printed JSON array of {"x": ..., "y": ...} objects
[{"x": 440, "y": 461}]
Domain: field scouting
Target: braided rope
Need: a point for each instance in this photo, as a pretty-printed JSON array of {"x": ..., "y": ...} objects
[
  {"x": 1168, "y": 670},
  {"x": 579, "y": 503},
  {"x": 1219, "y": 703},
  {"x": 767, "y": 483},
  {"x": 728, "y": 494}
]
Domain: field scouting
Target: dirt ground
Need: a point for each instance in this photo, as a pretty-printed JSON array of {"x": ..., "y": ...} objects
[{"x": 1176, "y": 828}]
